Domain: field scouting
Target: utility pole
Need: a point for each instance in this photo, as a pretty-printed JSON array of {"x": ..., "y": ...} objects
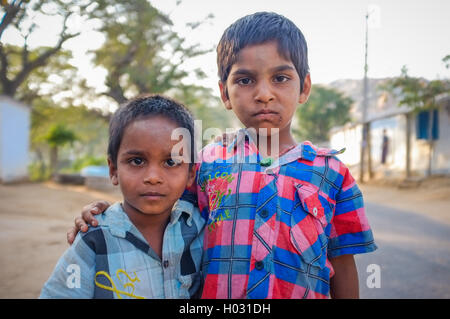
[{"x": 365, "y": 127}]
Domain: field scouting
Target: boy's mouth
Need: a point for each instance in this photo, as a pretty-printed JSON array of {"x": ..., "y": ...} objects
[
  {"x": 153, "y": 195},
  {"x": 265, "y": 114}
]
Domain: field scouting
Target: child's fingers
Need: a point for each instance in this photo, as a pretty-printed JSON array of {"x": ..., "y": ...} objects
[
  {"x": 101, "y": 206},
  {"x": 71, "y": 233},
  {"x": 80, "y": 225}
]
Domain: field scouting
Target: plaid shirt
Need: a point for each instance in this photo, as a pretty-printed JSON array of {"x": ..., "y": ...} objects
[
  {"x": 115, "y": 261},
  {"x": 272, "y": 227}
]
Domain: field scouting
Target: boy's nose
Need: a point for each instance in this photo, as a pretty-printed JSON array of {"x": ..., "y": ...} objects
[
  {"x": 153, "y": 176},
  {"x": 264, "y": 92}
]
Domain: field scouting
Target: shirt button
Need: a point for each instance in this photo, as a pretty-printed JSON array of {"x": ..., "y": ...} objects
[
  {"x": 264, "y": 213},
  {"x": 166, "y": 263},
  {"x": 315, "y": 211},
  {"x": 259, "y": 265}
]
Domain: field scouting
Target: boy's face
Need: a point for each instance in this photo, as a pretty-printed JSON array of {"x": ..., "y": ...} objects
[
  {"x": 263, "y": 88},
  {"x": 151, "y": 180}
]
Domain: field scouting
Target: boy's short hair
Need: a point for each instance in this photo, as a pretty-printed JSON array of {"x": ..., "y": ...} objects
[
  {"x": 142, "y": 107},
  {"x": 258, "y": 28}
]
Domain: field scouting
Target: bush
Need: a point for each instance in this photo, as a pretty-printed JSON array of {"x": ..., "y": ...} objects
[{"x": 38, "y": 172}]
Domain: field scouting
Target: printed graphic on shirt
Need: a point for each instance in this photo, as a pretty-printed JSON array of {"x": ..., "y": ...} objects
[
  {"x": 218, "y": 188},
  {"x": 125, "y": 281}
]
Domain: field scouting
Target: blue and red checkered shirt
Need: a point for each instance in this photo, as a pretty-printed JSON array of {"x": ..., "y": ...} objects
[{"x": 272, "y": 227}]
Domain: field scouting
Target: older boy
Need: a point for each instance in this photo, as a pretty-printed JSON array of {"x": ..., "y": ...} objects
[{"x": 283, "y": 225}]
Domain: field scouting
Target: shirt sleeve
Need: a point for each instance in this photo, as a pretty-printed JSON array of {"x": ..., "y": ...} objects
[
  {"x": 73, "y": 275},
  {"x": 350, "y": 231}
]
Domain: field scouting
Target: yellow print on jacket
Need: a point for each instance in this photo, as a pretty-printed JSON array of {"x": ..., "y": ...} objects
[{"x": 113, "y": 287}]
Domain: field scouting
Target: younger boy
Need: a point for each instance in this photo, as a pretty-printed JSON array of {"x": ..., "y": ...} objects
[
  {"x": 150, "y": 245},
  {"x": 280, "y": 225}
]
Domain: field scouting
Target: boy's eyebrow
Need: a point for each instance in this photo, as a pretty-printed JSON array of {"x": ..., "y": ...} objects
[
  {"x": 284, "y": 67},
  {"x": 142, "y": 153},
  {"x": 133, "y": 152},
  {"x": 280, "y": 68},
  {"x": 243, "y": 72}
]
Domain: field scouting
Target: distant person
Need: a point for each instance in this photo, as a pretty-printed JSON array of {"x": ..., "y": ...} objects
[
  {"x": 282, "y": 225},
  {"x": 384, "y": 147},
  {"x": 151, "y": 244}
]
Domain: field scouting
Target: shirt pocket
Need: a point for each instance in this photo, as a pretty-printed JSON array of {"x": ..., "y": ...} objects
[{"x": 309, "y": 220}]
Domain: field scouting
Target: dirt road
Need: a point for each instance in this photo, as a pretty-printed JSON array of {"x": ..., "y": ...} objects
[{"x": 34, "y": 219}]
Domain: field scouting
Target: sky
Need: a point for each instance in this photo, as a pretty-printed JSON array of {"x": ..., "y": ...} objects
[{"x": 412, "y": 33}]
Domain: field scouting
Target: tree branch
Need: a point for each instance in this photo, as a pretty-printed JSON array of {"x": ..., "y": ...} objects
[
  {"x": 41, "y": 60},
  {"x": 11, "y": 11}
]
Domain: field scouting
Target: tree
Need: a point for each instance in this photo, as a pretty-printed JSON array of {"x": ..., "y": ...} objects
[
  {"x": 326, "y": 108},
  {"x": 21, "y": 16},
  {"x": 420, "y": 95},
  {"x": 51, "y": 79},
  {"x": 57, "y": 136},
  {"x": 141, "y": 53},
  {"x": 90, "y": 127}
]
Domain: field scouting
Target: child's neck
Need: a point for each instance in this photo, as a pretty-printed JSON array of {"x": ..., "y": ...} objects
[
  {"x": 151, "y": 226},
  {"x": 275, "y": 145}
]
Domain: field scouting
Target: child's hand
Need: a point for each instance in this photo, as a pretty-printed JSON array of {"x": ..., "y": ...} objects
[{"x": 87, "y": 216}]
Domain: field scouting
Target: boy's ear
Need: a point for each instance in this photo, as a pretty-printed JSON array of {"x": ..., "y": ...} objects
[
  {"x": 224, "y": 95},
  {"x": 113, "y": 173},
  {"x": 304, "y": 95},
  {"x": 191, "y": 176}
]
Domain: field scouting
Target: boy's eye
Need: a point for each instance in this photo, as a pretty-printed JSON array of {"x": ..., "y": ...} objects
[
  {"x": 281, "y": 78},
  {"x": 244, "y": 81},
  {"x": 136, "y": 161},
  {"x": 172, "y": 162}
]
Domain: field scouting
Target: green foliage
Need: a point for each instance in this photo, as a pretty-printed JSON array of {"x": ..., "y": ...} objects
[
  {"x": 18, "y": 63},
  {"x": 205, "y": 107},
  {"x": 57, "y": 76},
  {"x": 38, "y": 172},
  {"x": 417, "y": 93},
  {"x": 90, "y": 126},
  {"x": 59, "y": 135},
  {"x": 87, "y": 160},
  {"x": 325, "y": 109},
  {"x": 141, "y": 53}
]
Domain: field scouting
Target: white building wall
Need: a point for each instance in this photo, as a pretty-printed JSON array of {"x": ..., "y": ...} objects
[
  {"x": 441, "y": 158},
  {"x": 350, "y": 137},
  {"x": 14, "y": 140}
]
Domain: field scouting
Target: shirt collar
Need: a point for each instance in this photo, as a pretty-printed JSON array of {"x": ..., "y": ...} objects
[
  {"x": 305, "y": 150},
  {"x": 180, "y": 207},
  {"x": 119, "y": 223},
  {"x": 244, "y": 138}
]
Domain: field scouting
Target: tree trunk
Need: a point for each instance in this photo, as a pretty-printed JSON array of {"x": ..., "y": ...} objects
[{"x": 53, "y": 160}]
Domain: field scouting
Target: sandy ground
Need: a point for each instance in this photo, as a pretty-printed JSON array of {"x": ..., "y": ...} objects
[{"x": 34, "y": 219}]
